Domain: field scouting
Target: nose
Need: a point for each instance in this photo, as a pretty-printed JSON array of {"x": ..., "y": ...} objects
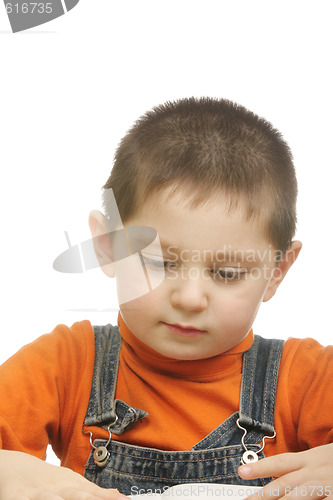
[{"x": 189, "y": 293}]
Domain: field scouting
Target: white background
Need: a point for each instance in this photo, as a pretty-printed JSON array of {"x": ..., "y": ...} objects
[{"x": 71, "y": 88}]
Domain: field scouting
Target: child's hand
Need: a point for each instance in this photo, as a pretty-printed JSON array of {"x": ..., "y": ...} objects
[
  {"x": 307, "y": 475},
  {"x": 24, "y": 477}
]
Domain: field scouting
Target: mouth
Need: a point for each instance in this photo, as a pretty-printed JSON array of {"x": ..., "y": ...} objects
[{"x": 184, "y": 330}]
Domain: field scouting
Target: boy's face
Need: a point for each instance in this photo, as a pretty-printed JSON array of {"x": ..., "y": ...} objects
[{"x": 218, "y": 269}]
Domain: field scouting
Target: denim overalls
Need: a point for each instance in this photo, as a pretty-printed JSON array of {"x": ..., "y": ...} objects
[{"x": 215, "y": 459}]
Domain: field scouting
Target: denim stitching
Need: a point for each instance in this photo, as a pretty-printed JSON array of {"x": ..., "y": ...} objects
[
  {"x": 170, "y": 478},
  {"x": 226, "y": 455}
]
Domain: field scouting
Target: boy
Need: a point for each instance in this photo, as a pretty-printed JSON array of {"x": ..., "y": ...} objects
[{"x": 183, "y": 391}]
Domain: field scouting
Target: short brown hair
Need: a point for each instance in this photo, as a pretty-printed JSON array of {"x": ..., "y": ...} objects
[{"x": 203, "y": 147}]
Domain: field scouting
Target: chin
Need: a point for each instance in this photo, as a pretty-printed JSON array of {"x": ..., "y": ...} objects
[{"x": 186, "y": 356}]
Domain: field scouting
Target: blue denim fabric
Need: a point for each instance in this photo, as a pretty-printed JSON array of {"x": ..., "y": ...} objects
[{"x": 215, "y": 459}]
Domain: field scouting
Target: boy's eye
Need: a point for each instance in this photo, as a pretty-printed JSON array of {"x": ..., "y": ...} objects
[
  {"x": 228, "y": 275},
  {"x": 157, "y": 263}
]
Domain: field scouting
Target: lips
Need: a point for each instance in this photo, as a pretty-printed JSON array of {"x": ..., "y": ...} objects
[{"x": 185, "y": 330}]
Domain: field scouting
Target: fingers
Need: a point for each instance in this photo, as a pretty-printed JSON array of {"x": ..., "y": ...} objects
[
  {"x": 89, "y": 491},
  {"x": 24, "y": 477},
  {"x": 306, "y": 475},
  {"x": 275, "y": 466},
  {"x": 45, "y": 495},
  {"x": 73, "y": 493},
  {"x": 94, "y": 492},
  {"x": 106, "y": 493}
]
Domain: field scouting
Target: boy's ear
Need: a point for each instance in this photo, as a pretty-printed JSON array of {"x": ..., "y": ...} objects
[
  {"x": 279, "y": 273},
  {"x": 101, "y": 242}
]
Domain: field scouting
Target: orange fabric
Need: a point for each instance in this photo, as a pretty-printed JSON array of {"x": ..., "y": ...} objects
[{"x": 45, "y": 389}]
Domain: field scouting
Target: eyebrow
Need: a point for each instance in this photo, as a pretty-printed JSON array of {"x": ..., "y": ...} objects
[
  {"x": 227, "y": 255},
  {"x": 231, "y": 255}
]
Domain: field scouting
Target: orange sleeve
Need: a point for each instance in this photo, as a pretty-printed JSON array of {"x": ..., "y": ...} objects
[
  {"x": 304, "y": 403},
  {"x": 311, "y": 377},
  {"x": 39, "y": 388}
]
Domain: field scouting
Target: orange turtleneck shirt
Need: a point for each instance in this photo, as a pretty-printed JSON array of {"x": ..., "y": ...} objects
[{"x": 45, "y": 390}]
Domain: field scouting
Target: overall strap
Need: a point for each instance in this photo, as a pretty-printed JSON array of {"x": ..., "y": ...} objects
[
  {"x": 259, "y": 381},
  {"x": 103, "y": 408}
]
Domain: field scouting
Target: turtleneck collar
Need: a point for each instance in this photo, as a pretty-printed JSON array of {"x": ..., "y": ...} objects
[{"x": 137, "y": 353}]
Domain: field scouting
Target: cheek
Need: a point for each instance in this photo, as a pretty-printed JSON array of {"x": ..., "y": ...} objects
[
  {"x": 238, "y": 308},
  {"x": 135, "y": 280},
  {"x": 237, "y": 315},
  {"x": 143, "y": 306}
]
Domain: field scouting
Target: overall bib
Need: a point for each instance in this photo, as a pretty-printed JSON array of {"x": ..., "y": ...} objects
[{"x": 214, "y": 459}]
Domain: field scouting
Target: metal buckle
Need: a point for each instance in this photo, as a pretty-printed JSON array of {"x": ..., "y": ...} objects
[
  {"x": 250, "y": 456},
  {"x": 101, "y": 454}
]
